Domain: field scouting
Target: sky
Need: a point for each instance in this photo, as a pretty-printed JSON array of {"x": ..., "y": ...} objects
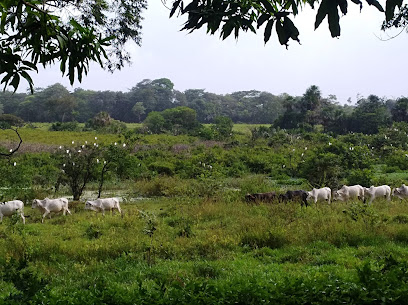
[{"x": 361, "y": 62}]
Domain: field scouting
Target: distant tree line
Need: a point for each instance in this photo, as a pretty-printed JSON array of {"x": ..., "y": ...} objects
[{"x": 150, "y": 99}]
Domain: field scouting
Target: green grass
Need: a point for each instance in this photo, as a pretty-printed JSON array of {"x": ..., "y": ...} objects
[
  {"x": 196, "y": 241},
  {"x": 245, "y": 129},
  {"x": 231, "y": 246}
]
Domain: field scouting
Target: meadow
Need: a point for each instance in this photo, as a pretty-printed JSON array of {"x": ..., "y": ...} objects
[{"x": 189, "y": 237}]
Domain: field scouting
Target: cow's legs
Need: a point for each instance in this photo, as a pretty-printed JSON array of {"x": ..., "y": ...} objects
[{"x": 44, "y": 215}]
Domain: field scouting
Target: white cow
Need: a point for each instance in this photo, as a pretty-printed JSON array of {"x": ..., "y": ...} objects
[
  {"x": 319, "y": 194},
  {"x": 102, "y": 204},
  {"x": 349, "y": 192},
  {"x": 9, "y": 208},
  {"x": 401, "y": 192},
  {"x": 46, "y": 206},
  {"x": 375, "y": 192}
]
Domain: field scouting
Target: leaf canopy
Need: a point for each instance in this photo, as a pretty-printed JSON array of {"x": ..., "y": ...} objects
[{"x": 70, "y": 32}]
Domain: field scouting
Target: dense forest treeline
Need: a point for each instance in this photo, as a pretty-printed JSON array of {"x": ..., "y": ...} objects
[{"x": 56, "y": 104}]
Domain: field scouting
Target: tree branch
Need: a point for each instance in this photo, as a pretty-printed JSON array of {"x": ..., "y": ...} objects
[
  {"x": 34, "y": 7},
  {"x": 15, "y": 149}
]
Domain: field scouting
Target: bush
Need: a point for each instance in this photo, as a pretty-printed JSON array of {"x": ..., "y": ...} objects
[
  {"x": 271, "y": 239},
  {"x": 65, "y": 126},
  {"x": 363, "y": 177},
  {"x": 162, "y": 168},
  {"x": 8, "y": 120},
  {"x": 102, "y": 122},
  {"x": 398, "y": 159}
]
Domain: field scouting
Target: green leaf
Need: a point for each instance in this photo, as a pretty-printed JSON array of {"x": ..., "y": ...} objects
[
  {"x": 390, "y": 8},
  {"x": 29, "y": 80},
  {"x": 227, "y": 29},
  {"x": 343, "y": 6},
  {"x": 268, "y": 6},
  {"x": 321, "y": 13},
  {"x": 268, "y": 30},
  {"x": 291, "y": 29},
  {"x": 15, "y": 81},
  {"x": 262, "y": 19},
  {"x": 174, "y": 8},
  {"x": 6, "y": 79},
  {"x": 30, "y": 64},
  {"x": 282, "y": 34},
  {"x": 71, "y": 71},
  {"x": 358, "y": 2},
  {"x": 376, "y": 4},
  {"x": 294, "y": 7},
  {"x": 334, "y": 19}
]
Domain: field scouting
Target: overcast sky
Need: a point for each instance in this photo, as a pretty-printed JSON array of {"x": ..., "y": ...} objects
[{"x": 358, "y": 63}]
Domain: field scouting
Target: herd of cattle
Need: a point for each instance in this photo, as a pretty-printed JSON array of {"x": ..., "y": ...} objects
[
  {"x": 48, "y": 206},
  {"x": 344, "y": 194}
]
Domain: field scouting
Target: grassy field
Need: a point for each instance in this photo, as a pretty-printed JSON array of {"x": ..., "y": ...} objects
[
  {"x": 196, "y": 241},
  {"x": 204, "y": 251}
]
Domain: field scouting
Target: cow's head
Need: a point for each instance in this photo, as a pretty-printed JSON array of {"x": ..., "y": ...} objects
[
  {"x": 249, "y": 198},
  {"x": 36, "y": 203},
  {"x": 89, "y": 205},
  {"x": 338, "y": 195}
]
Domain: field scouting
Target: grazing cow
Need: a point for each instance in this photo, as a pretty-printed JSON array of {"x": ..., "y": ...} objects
[
  {"x": 349, "y": 192},
  {"x": 9, "y": 208},
  {"x": 375, "y": 192},
  {"x": 298, "y": 195},
  {"x": 102, "y": 204},
  {"x": 319, "y": 194},
  {"x": 257, "y": 197},
  {"x": 46, "y": 206},
  {"x": 401, "y": 192}
]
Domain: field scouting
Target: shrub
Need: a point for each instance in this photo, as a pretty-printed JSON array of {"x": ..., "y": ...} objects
[
  {"x": 8, "y": 120},
  {"x": 271, "y": 239},
  {"x": 65, "y": 126},
  {"x": 222, "y": 127},
  {"x": 162, "y": 168},
  {"x": 102, "y": 122},
  {"x": 363, "y": 177}
]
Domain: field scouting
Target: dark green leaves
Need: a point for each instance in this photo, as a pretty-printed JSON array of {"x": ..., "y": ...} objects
[
  {"x": 376, "y": 4},
  {"x": 334, "y": 20},
  {"x": 329, "y": 8},
  {"x": 286, "y": 30},
  {"x": 268, "y": 30},
  {"x": 268, "y": 6},
  {"x": 390, "y": 8},
  {"x": 30, "y": 34}
]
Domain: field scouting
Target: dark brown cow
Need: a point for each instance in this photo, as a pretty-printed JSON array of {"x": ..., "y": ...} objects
[
  {"x": 299, "y": 195},
  {"x": 258, "y": 197}
]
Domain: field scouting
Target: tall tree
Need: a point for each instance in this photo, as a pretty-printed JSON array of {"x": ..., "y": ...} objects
[
  {"x": 155, "y": 95},
  {"x": 400, "y": 110},
  {"x": 139, "y": 110},
  {"x": 370, "y": 115},
  {"x": 72, "y": 33}
]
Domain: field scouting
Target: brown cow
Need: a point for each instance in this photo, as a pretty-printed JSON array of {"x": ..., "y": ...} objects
[
  {"x": 299, "y": 195},
  {"x": 258, "y": 197}
]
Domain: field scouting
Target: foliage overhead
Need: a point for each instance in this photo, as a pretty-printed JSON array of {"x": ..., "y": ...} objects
[
  {"x": 234, "y": 16},
  {"x": 72, "y": 33},
  {"x": 75, "y": 33}
]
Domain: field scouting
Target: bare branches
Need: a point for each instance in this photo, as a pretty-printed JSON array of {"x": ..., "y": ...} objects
[{"x": 15, "y": 149}]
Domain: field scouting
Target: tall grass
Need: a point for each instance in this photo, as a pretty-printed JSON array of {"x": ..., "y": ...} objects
[{"x": 230, "y": 245}]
